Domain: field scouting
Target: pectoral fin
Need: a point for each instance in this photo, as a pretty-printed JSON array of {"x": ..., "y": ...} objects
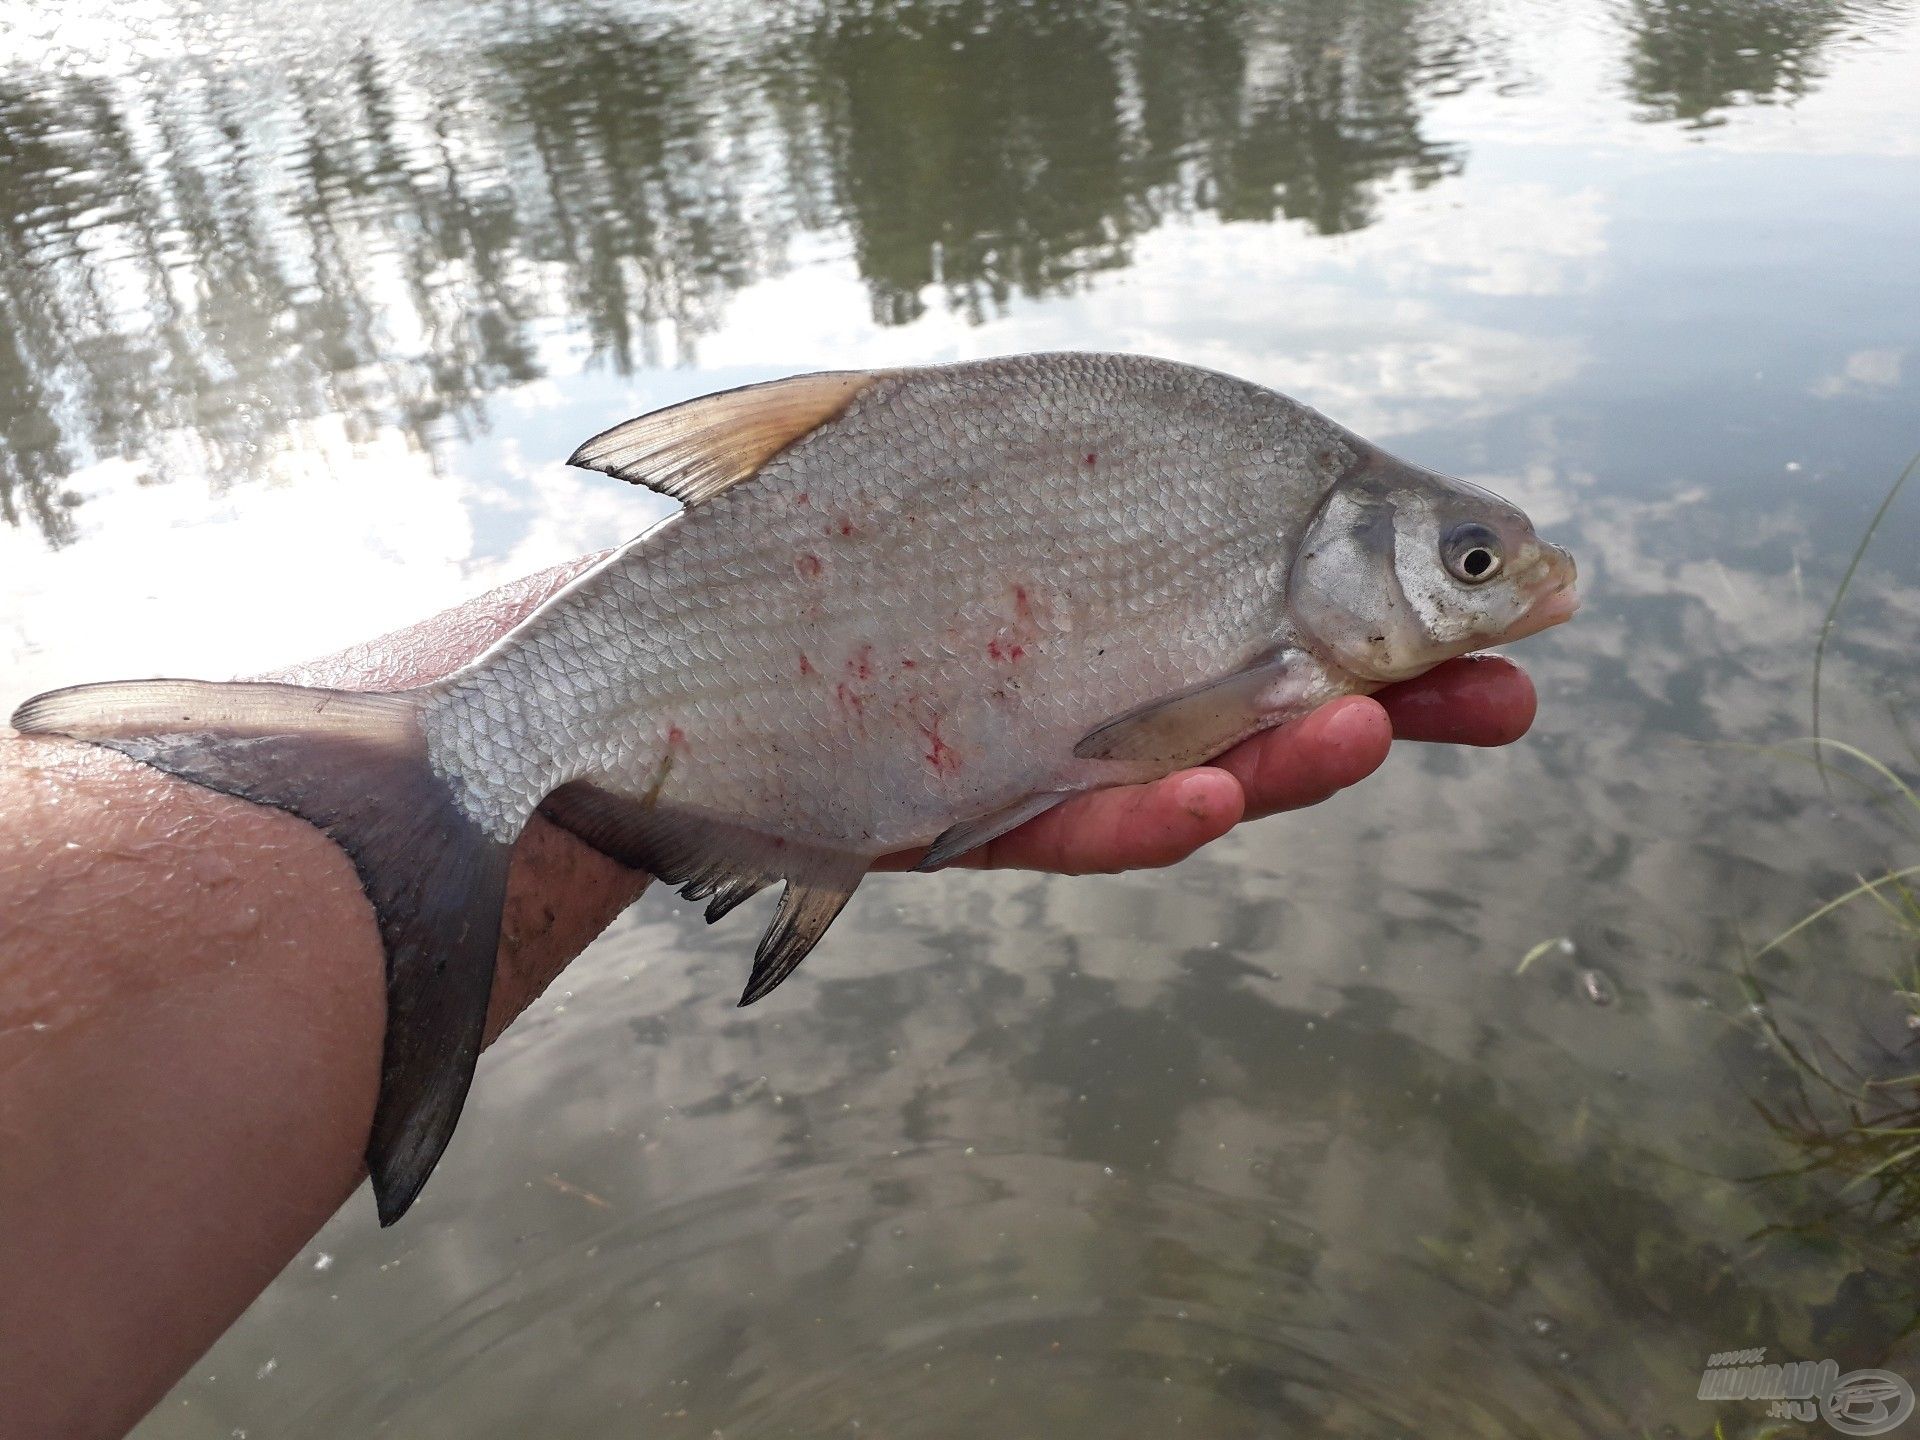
[
  {"x": 1205, "y": 719},
  {"x": 957, "y": 840}
]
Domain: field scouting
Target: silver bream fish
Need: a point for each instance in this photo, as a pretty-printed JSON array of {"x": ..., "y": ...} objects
[{"x": 900, "y": 607}]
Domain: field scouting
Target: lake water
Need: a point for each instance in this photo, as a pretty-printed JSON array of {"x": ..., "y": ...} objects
[{"x": 301, "y": 306}]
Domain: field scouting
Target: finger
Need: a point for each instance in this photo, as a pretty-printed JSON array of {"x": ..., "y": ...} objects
[
  {"x": 1475, "y": 700},
  {"x": 1305, "y": 761},
  {"x": 1131, "y": 827}
]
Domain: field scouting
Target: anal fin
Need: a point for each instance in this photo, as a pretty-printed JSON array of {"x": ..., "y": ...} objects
[
  {"x": 735, "y": 890},
  {"x": 710, "y": 857},
  {"x": 806, "y": 909}
]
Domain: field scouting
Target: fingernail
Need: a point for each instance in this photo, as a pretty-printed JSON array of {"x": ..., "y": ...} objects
[{"x": 1195, "y": 794}]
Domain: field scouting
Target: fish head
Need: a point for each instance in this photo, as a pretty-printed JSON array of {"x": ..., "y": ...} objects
[{"x": 1402, "y": 568}]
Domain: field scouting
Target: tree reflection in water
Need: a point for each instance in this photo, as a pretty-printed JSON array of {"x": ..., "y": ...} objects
[{"x": 388, "y": 231}]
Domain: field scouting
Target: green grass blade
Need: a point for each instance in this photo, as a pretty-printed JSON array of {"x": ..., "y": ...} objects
[
  {"x": 1846, "y": 583},
  {"x": 1785, "y": 751},
  {"x": 1897, "y": 1158},
  {"x": 1878, "y": 767},
  {"x": 1537, "y": 951},
  {"x": 1863, "y": 888}
]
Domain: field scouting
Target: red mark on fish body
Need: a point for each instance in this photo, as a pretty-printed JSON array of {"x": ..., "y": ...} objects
[
  {"x": 806, "y": 665},
  {"x": 850, "y": 700},
  {"x": 803, "y": 498},
  {"x": 860, "y": 667},
  {"x": 1014, "y": 652},
  {"x": 1092, "y": 456},
  {"x": 1021, "y": 607},
  {"x": 908, "y": 664},
  {"x": 994, "y": 652},
  {"x": 676, "y": 746},
  {"x": 846, "y": 528},
  {"x": 941, "y": 756},
  {"x": 808, "y": 566}
]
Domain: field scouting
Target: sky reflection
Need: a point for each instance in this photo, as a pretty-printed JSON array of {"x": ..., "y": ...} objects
[{"x": 301, "y": 306}]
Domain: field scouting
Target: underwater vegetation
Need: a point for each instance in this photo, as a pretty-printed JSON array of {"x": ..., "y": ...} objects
[{"x": 1855, "y": 1128}]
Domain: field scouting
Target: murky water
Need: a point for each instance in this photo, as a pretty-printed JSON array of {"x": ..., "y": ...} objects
[{"x": 300, "y": 305}]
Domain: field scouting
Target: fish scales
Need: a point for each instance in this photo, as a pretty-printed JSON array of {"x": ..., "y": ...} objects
[
  {"x": 899, "y": 607},
  {"x": 1110, "y": 539}
]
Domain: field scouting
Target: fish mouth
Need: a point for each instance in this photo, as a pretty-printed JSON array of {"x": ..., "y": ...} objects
[{"x": 1556, "y": 600}]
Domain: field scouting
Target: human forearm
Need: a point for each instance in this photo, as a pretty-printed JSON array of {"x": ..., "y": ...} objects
[
  {"x": 191, "y": 1017},
  {"x": 190, "y": 1021}
]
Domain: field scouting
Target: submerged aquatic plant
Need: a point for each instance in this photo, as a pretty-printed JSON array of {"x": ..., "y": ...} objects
[
  {"x": 1849, "y": 1126},
  {"x": 1862, "y": 1130},
  {"x": 1859, "y": 1128}
]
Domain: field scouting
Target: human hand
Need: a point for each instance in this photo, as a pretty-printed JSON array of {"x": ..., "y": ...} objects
[{"x": 1476, "y": 700}]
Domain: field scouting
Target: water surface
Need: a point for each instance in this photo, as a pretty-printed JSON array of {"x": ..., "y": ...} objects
[{"x": 301, "y": 305}]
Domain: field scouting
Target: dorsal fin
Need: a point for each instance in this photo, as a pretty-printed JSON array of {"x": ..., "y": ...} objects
[{"x": 703, "y": 448}]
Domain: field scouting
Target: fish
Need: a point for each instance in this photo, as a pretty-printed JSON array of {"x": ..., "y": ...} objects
[{"x": 896, "y": 608}]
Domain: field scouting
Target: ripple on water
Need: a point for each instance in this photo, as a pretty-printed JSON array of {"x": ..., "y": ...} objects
[{"x": 981, "y": 1287}]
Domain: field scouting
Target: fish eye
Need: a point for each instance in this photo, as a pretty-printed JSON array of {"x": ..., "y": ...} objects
[{"x": 1471, "y": 553}]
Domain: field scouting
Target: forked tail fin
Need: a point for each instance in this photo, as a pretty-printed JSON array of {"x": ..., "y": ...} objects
[{"x": 356, "y": 766}]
